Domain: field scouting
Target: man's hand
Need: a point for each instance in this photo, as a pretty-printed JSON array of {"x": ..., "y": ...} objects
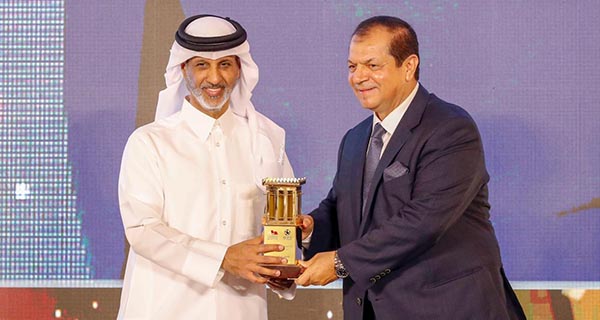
[
  {"x": 319, "y": 270},
  {"x": 243, "y": 259},
  {"x": 307, "y": 224}
]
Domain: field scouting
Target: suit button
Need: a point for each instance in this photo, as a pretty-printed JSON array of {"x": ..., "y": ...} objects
[
  {"x": 359, "y": 301},
  {"x": 383, "y": 274},
  {"x": 373, "y": 280},
  {"x": 387, "y": 271},
  {"x": 378, "y": 277}
]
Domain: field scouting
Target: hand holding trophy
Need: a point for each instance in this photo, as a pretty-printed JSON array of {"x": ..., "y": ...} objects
[{"x": 280, "y": 220}]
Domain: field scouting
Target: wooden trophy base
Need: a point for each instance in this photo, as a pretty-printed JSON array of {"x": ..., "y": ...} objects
[{"x": 288, "y": 271}]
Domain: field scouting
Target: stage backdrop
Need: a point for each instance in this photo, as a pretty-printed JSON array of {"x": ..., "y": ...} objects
[{"x": 77, "y": 77}]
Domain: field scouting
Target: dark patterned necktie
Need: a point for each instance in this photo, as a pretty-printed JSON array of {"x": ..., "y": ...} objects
[{"x": 372, "y": 158}]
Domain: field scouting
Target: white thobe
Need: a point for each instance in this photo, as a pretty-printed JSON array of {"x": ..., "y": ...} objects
[{"x": 188, "y": 189}]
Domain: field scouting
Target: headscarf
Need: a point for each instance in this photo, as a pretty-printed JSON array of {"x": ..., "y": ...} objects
[{"x": 217, "y": 37}]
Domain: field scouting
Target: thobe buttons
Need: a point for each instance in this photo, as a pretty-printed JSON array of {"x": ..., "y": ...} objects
[
  {"x": 223, "y": 182},
  {"x": 387, "y": 271},
  {"x": 224, "y": 222},
  {"x": 383, "y": 274},
  {"x": 359, "y": 301},
  {"x": 378, "y": 277},
  {"x": 218, "y": 144},
  {"x": 373, "y": 280}
]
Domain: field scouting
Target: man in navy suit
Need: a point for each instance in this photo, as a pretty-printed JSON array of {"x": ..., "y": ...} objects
[{"x": 406, "y": 223}]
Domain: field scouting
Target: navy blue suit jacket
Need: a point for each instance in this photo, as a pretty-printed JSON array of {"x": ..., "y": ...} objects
[{"x": 425, "y": 248}]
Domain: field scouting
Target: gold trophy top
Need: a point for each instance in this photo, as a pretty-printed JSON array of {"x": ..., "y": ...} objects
[
  {"x": 292, "y": 182},
  {"x": 284, "y": 197}
]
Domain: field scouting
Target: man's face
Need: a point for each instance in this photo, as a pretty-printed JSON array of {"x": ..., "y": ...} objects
[
  {"x": 378, "y": 83},
  {"x": 210, "y": 82}
]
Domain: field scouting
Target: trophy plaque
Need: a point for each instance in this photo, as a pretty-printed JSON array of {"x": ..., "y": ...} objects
[{"x": 280, "y": 221}]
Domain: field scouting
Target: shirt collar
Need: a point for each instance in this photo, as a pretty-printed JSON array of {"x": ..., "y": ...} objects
[
  {"x": 393, "y": 119},
  {"x": 202, "y": 124}
]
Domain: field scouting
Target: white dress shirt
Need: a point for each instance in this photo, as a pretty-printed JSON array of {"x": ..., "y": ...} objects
[
  {"x": 393, "y": 119},
  {"x": 187, "y": 191}
]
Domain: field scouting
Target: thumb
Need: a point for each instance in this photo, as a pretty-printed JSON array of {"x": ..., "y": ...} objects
[
  {"x": 304, "y": 221},
  {"x": 303, "y": 280}
]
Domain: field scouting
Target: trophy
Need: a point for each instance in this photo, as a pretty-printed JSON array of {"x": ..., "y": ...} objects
[{"x": 280, "y": 221}]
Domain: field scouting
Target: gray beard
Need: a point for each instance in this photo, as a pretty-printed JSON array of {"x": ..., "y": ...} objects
[{"x": 197, "y": 93}]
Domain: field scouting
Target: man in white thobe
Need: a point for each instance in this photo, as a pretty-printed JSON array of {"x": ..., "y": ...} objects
[{"x": 190, "y": 189}]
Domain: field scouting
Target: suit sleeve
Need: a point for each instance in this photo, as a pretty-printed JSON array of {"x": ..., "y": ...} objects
[
  {"x": 450, "y": 171},
  {"x": 141, "y": 203}
]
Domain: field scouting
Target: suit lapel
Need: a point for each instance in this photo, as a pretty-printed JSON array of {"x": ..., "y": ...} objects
[
  {"x": 358, "y": 151},
  {"x": 411, "y": 119}
]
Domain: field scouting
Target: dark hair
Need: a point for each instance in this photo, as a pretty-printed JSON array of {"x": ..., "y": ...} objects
[{"x": 404, "y": 40}]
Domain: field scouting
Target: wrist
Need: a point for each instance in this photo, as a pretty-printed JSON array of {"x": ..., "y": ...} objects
[{"x": 340, "y": 270}]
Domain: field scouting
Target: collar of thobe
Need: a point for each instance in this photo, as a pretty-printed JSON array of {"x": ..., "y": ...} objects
[
  {"x": 202, "y": 124},
  {"x": 393, "y": 119}
]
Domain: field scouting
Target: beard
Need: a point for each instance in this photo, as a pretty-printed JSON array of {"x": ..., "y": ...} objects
[{"x": 213, "y": 106}]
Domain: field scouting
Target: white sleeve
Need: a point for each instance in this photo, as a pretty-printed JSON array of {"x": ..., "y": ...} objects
[
  {"x": 287, "y": 294},
  {"x": 141, "y": 200}
]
